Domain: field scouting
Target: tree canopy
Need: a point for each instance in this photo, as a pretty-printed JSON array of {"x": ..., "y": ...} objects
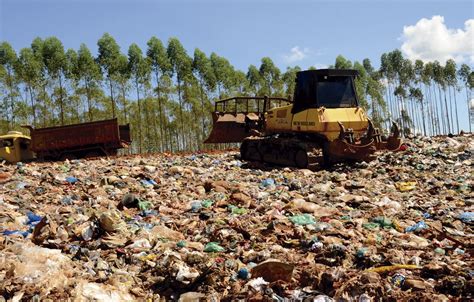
[{"x": 167, "y": 94}]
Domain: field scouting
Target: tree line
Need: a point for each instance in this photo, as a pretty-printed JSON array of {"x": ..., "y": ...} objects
[{"x": 167, "y": 95}]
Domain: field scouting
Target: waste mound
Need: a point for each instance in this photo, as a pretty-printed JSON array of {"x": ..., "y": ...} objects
[{"x": 211, "y": 227}]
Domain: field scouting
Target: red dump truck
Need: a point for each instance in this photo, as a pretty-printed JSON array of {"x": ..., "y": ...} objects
[{"x": 101, "y": 138}]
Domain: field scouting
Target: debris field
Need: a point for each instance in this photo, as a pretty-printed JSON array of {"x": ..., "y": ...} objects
[{"x": 210, "y": 227}]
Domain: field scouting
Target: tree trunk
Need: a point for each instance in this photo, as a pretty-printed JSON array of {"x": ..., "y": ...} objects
[
  {"x": 440, "y": 111},
  {"x": 112, "y": 97},
  {"x": 447, "y": 110},
  {"x": 124, "y": 102},
  {"x": 389, "y": 107},
  {"x": 456, "y": 107},
  {"x": 468, "y": 109},
  {"x": 160, "y": 111},
  {"x": 431, "y": 110},
  {"x": 423, "y": 117},
  {"x": 89, "y": 102},
  {"x": 44, "y": 105},
  {"x": 436, "y": 111},
  {"x": 139, "y": 119},
  {"x": 451, "y": 108},
  {"x": 203, "y": 118},
  {"x": 148, "y": 139},
  {"x": 183, "y": 139},
  {"x": 33, "y": 104},
  {"x": 61, "y": 102},
  {"x": 12, "y": 101}
]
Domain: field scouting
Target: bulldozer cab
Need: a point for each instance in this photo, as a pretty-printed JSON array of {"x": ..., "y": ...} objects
[{"x": 329, "y": 88}]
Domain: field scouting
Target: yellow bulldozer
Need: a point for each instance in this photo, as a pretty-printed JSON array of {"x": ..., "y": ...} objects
[{"x": 324, "y": 114}]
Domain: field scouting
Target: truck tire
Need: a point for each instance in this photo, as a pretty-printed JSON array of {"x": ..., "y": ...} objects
[
  {"x": 92, "y": 154},
  {"x": 301, "y": 159},
  {"x": 68, "y": 156}
]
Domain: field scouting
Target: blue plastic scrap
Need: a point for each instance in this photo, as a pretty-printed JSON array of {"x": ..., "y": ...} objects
[
  {"x": 421, "y": 225},
  {"x": 466, "y": 217},
  {"x": 16, "y": 232},
  {"x": 268, "y": 182},
  {"x": 71, "y": 180},
  {"x": 33, "y": 219}
]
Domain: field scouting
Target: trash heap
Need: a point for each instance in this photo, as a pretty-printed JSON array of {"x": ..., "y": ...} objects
[{"x": 210, "y": 227}]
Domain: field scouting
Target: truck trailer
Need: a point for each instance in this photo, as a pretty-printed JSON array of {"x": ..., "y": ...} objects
[{"x": 99, "y": 138}]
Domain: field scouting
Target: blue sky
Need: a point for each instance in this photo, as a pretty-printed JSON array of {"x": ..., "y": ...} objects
[
  {"x": 246, "y": 31},
  {"x": 242, "y": 31}
]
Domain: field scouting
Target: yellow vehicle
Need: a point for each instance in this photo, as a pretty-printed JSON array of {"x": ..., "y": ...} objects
[
  {"x": 324, "y": 114},
  {"x": 15, "y": 147}
]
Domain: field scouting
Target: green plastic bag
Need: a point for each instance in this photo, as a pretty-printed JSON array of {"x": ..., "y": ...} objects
[
  {"x": 144, "y": 205},
  {"x": 303, "y": 219},
  {"x": 206, "y": 203},
  {"x": 213, "y": 247},
  {"x": 384, "y": 222},
  {"x": 237, "y": 211}
]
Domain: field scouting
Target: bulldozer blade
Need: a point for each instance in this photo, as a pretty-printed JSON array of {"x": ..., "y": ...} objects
[
  {"x": 393, "y": 142},
  {"x": 343, "y": 150},
  {"x": 232, "y": 128}
]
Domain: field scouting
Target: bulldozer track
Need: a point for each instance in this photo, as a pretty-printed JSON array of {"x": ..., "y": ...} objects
[{"x": 285, "y": 151}]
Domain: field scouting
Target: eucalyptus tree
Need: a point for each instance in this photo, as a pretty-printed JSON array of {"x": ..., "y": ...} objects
[
  {"x": 140, "y": 71},
  {"x": 418, "y": 69},
  {"x": 270, "y": 75},
  {"x": 55, "y": 61},
  {"x": 427, "y": 80},
  {"x": 121, "y": 79},
  {"x": 29, "y": 72},
  {"x": 416, "y": 97},
  {"x": 289, "y": 80},
  {"x": 342, "y": 63},
  {"x": 403, "y": 118},
  {"x": 375, "y": 90},
  {"x": 440, "y": 80},
  {"x": 203, "y": 72},
  {"x": 43, "y": 99},
  {"x": 222, "y": 70},
  {"x": 161, "y": 66},
  {"x": 465, "y": 74},
  {"x": 387, "y": 71},
  {"x": 255, "y": 80},
  {"x": 8, "y": 60},
  {"x": 182, "y": 67},
  {"x": 396, "y": 60},
  {"x": 452, "y": 83},
  {"x": 239, "y": 82},
  {"x": 109, "y": 52},
  {"x": 406, "y": 74},
  {"x": 74, "y": 99},
  {"x": 4, "y": 119},
  {"x": 89, "y": 75}
]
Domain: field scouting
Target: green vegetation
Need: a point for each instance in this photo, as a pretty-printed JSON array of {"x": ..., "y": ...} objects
[{"x": 167, "y": 95}]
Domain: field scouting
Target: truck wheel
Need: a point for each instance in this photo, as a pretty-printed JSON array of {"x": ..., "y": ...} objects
[
  {"x": 68, "y": 156},
  {"x": 301, "y": 159},
  {"x": 92, "y": 154}
]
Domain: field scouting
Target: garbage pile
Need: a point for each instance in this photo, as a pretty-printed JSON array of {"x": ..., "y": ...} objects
[{"x": 211, "y": 227}]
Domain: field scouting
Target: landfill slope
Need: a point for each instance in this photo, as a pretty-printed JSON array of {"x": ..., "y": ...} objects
[{"x": 211, "y": 227}]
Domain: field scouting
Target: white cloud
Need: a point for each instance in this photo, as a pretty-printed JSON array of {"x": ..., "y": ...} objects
[
  {"x": 430, "y": 39},
  {"x": 296, "y": 54}
]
